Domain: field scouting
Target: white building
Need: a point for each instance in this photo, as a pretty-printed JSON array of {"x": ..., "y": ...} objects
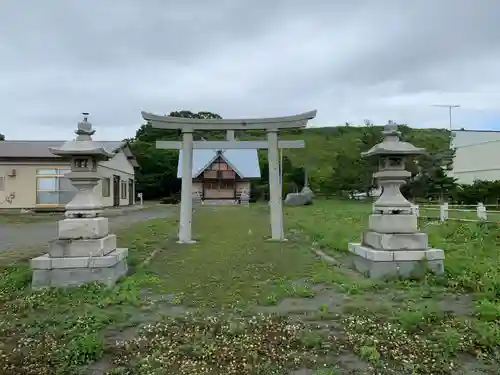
[{"x": 477, "y": 155}]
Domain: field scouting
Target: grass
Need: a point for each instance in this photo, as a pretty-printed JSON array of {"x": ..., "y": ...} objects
[
  {"x": 15, "y": 217},
  {"x": 235, "y": 303}
]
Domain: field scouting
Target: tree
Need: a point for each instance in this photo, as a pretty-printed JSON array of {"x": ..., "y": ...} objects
[
  {"x": 346, "y": 175},
  {"x": 157, "y": 176},
  {"x": 2, "y": 137},
  {"x": 332, "y": 156},
  {"x": 431, "y": 179}
]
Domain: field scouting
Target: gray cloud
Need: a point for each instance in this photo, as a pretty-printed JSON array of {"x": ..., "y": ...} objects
[{"x": 352, "y": 60}]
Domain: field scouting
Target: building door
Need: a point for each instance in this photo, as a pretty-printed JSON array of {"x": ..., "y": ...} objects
[
  {"x": 116, "y": 190},
  {"x": 219, "y": 190},
  {"x": 131, "y": 192}
]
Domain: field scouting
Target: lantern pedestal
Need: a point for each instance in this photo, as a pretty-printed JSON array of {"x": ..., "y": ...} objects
[
  {"x": 67, "y": 271},
  {"x": 392, "y": 246},
  {"x": 84, "y": 250},
  {"x": 379, "y": 264}
]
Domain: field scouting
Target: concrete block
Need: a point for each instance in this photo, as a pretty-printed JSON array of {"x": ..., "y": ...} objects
[
  {"x": 379, "y": 263},
  {"x": 394, "y": 255},
  {"x": 403, "y": 269},
  {"x": 82, "y": 248},
  {"x": 396, "y": 241},
  {"x": 393, "y": 223},
  {"x": 366, "y": 252},
  {"x": 416, "y": 255},
  {"x": 47, "y": 262},
  {"x": 84, "y": 228},
  {"x": 72, "y": 277}
]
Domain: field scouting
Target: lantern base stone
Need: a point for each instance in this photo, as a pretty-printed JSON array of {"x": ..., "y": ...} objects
[
  {"x": 396, "y": 241},
  {"x": 82, "y": 248},
  {"x": 393, "y": 223},
  {"x": 379, "y": 264},
  {"x": 75, "y": 271},
  {"x": 83, "y": 228}
]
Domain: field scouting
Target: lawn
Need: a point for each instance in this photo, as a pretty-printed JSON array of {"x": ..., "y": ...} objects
[{"x": 235, "y": 303}]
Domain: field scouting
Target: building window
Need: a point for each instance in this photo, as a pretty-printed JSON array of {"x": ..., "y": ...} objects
[
  {"x": 123, "y": 190},
  {"x": 210, "y": 185},
  {"x": 52, "y": 188},
  {"x": 106, "y": 187},
  {"x": 226, "y": 185},
  {"x": 2, "y": 183}
]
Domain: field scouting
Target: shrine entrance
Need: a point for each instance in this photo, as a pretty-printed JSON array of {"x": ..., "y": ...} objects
[{"x": 270, "y": 125}]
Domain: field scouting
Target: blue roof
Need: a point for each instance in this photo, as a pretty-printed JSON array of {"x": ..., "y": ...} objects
[{"x": 245, "y": 162}]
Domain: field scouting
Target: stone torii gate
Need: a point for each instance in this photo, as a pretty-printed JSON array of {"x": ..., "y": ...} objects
[{"x": 270, "y": 125}]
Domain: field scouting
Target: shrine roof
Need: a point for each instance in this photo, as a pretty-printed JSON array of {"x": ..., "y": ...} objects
[{"x": 244, "y": 161}]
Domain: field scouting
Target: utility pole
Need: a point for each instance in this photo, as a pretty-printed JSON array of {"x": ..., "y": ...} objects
[{"x": 450, "y": 107}]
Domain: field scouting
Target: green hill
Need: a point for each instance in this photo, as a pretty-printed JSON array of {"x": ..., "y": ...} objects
[
  {"x": 331, "y": 155},
  {"x": 328, "y": 147}
]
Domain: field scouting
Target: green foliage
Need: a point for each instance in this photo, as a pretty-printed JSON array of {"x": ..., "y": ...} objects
[
  {"x": 487, "y": 192},
  {"x": 157, "y": 176},
  {"x": 332, "y": 159},
  {"x": 332, "y": 156},
  {"x": 174, "y": 199}
]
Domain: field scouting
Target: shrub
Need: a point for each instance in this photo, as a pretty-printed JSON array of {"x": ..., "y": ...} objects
[{"x": 170, "y": 200}]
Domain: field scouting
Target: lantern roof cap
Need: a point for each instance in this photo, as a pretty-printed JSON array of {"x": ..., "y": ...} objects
[
  {"x": 392, "y": 145},
  {"x": 83, "y": 143}
]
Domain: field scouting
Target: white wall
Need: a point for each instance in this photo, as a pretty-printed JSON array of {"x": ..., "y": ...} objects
[
  {"x": 120, "y": 163},
  {"x": 119, "y": 166},
  {"x": 24, "y": 183},
  {"x": 477, "y": 156},
  {"x": 464, "y": 137}
]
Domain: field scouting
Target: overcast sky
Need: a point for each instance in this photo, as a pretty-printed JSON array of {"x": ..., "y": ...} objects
[{"x": 351, "y": 60}]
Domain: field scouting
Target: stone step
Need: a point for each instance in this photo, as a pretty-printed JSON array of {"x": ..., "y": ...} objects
[{"x": 215, "y": 202}]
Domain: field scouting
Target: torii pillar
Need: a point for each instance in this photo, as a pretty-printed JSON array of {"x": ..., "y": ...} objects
[
  {"x": 275, "y": 187},
  {"x": 270, "y": 125},
  {"x": 186, "y": 219}
]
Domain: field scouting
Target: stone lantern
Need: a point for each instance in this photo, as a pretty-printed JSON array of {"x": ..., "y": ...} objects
[
  {"x": 392, "y": 245},
  {"x": 85, "y": 154},
  {"x": 84, "y": 251}
]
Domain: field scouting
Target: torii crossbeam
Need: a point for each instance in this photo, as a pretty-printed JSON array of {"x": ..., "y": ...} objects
[{"x": 270, "y": 125}]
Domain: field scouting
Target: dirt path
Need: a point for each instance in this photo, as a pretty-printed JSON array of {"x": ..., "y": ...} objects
[{"x": 19, "y": 236}]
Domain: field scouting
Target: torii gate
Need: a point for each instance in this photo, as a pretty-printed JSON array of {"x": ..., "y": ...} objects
[{"x": 270, "y": 125}]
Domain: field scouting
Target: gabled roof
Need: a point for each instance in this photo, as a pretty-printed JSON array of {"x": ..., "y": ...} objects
[
  {"x": 219, "y": 154},
  {"x": 40, "y": 149},
  {"x": 244, "y": 162}
]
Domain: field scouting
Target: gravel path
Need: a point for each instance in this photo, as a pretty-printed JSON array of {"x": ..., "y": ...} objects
[{"x": 19, "y": 236}]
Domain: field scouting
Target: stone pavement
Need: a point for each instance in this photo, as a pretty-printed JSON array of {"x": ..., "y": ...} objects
[{"x": 22, "y": 236}]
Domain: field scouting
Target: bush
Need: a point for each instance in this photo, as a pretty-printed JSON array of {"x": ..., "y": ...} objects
[
  {"x": 258, "y": 192},
  {"x": 487, "y": 192},
  {"x": 170, "y": 200}
]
